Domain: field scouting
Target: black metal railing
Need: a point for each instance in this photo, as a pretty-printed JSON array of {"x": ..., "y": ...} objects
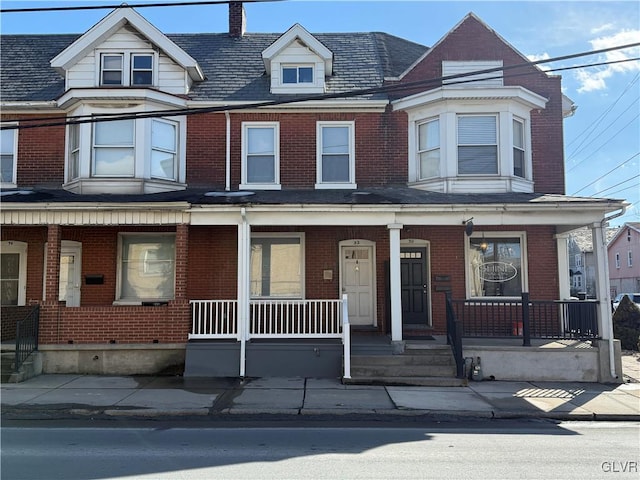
[
  {"x": 454, "y": 337},
  {"x": 26, "y": 337},
  {"x": 525, "y": 318}
]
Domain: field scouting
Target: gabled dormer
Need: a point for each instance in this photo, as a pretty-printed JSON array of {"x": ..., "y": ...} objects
[
  {"x": 125, "y": 50},
  {"x": 297, "y": 63},
  {"x": 125, "y": 67}
]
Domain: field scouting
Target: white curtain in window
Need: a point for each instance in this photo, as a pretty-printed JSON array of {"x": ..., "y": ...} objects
[
  {"x": 148, "y": 267},
  {"x": 113, "y": 148},
  {"x": 477, "y": 145}
]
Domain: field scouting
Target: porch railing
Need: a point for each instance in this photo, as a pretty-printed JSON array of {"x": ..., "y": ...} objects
[
  {"x": 26, "y": 337},
  {"x": 217, "y": 319},
  {"x": 525, "y": 318}
]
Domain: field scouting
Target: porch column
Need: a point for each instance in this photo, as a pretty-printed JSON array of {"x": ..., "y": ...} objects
[
  {"x": 52, "y": 269},
  {"x": 563, "y": 266},
  {"x": 244, "y": 291},
  {"x": 182, "y": 255},
  {"x": 395, "y": 287},
  {"x": 603, "y": 292}
]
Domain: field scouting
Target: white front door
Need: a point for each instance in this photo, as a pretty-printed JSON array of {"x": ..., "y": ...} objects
[
  {"x": 70, "y": 275},
  {"x": 357, "y": 275}
]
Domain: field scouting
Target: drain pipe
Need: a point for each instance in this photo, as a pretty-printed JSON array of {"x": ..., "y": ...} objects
[
  {"x": 227, "y": 185},
  {"x": 603, "y": 224}
]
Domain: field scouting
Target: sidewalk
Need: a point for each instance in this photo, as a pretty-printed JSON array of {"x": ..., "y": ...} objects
[{"x": 154, "y": 396}]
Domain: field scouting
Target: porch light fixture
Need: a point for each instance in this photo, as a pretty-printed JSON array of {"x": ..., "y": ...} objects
[
  {"x": 483, "y": 244},
  {"x": 468, "y": 226}
]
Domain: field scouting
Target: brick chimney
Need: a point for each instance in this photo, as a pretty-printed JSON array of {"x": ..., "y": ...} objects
[{"x": 237, "y": 20}]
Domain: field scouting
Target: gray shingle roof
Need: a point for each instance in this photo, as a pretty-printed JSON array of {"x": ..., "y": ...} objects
[{"x": 233, "y": 66}]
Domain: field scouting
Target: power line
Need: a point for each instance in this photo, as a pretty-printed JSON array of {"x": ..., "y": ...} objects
[
  {"x": 397, "y": 88},
  {"x": 617, "y": 185},
  {"x": 604, "y": 175},
  {"x": 124, "y": 5}
]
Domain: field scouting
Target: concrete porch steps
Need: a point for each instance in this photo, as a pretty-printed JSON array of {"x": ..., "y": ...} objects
[
  {"x": 420, "y": 364},
  {"x": 31, "y": 367}
]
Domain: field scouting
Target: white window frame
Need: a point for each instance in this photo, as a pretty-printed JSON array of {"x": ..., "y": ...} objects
[
  {"x": 577, "y": 281},
  {"x": 133, "y": 69},
  {"x": 120, "y": 300},
  {"x": 351, "y": 182},
  {"x": 20, "y": 248},
  {"x": 14, "y": 181},
  {"x": 96, "y": 148},
  {"x": 617, "y": 260},
  {"x": 74, "y": 152},
  {"x": 522, "y": 149},
  {"x": 127, "y": 67},
  {"x": 300, "y": 236},
  {"x": 174, "y": 153},
  {"x": 104, "y": 70},
  {"x": 245, "y": 184},
  {"x": 495, "y": 116},
  {"x": 420, "y": 151},
  {"x": 469, "y": 274},
  {"x": 578, "y": 259},
  {"x": 297, "y": 67},
  {"x": 630, "y": 258}
]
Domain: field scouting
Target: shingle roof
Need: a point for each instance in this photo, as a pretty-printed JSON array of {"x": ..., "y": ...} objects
[{"x": 233, "y": 66}]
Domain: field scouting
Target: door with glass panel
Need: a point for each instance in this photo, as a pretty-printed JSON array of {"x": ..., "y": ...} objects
[
  {"x": 358, "y": 283},
  {"x": 70, "y": 275}
]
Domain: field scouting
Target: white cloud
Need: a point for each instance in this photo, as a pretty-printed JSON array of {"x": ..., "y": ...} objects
[
  {"x": 602, "y": 28},
  {"x": 592, "y": 79},
  {"x": 542, "y": 56}
]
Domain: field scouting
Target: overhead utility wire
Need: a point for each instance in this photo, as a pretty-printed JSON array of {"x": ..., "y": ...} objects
[
  {"x": 617, "y": 185},
  {"x": 124, "y": 5},
  {"x": 353, "y": 93},
  {"x": 604, "y": 175},
  {"x": 71, "y": 119}
]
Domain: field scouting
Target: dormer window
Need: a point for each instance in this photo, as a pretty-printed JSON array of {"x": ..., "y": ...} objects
[
  {"x": 297, "y": 74},
  {"x": 127, "y": 69}
]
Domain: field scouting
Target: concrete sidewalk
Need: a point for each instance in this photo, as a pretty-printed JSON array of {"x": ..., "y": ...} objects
[{"x": 155, "y": 396}]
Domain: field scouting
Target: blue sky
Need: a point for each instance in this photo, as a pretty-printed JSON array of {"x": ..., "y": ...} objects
[{"x": 602, "y": 139}]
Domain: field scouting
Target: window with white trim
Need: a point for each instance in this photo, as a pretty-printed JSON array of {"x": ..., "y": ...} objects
[
  {"x": 578, "y": 259},
  {"x": 629, "y": 259},
  {"x": 8, "y": 156},
  {"x": 428, "y": 148},
  {"x": 13, "y": 273},
  {"x": 519, "y": 153},
  {"x": 477, "y": 145},
  {"x": 146, "y": 271},
  {"x": 277, "y": 266},
  {"x": 164, "y": 149},
  {"x": 127, "y": 69},
  {"x": 577, "y": 281},
  {"x": 496, "y": 265},
  {"x": 113, "y": 149},
  {"x": 336, "y": 155},
  {"x": 260, "y": 155},
  {"x": 296, "y": 74}
]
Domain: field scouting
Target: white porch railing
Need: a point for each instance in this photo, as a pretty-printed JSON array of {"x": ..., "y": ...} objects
[{"x": 217, "y": 319}]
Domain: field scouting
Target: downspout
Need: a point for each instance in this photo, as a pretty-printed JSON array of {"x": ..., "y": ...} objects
[
  {"x": 612, "y": 365},
  {"x": 227, "y": 185}
]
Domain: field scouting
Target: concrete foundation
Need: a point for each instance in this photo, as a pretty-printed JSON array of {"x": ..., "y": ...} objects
[{"x": 117, "y": 359}]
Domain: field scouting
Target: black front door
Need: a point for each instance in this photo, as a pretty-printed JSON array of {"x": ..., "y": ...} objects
[{"x": 415, "y": 286}]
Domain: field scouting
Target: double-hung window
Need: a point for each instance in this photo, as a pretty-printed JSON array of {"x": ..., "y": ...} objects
[
  {"x": 277, "y": 265},
  {"x": 127, "y": 69},
  {"x": 13, "y": 273},
  {"x": 519, "y": 160},
  {"x": 8, "y": 149},
  {"x": 336, "y": 155},
  {"x": 496, "y": 265},
  {"x": 260, "y": 147},
  {"x": 113, "y": 149},
  {"x": 74, "y": 151},
  {"x": 477, "y": 145},
  {"x": 293, "y": 74},
  {"x": 147, "y": 267},
  {"x": 164, "y": 149},
  {"x": 428, "y": 149}
]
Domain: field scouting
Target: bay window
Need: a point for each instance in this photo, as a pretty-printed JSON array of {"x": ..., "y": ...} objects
[
  {"x": 518, "y": 148},
  {"x": 113, "y": 149},
  {"x": 429, "y": 148},
  {"x": 8, "y": 156},
  {"x": 496, "y": 265},
  {"x": 146, "y": 267},
  {"x": 164, "y": 149}
]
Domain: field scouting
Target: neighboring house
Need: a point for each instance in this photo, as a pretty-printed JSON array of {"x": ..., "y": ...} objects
[
  {"x": 624, "y": 259},
  {"x": 219, "y": 196},
  {"x": 582, "y": 262}
]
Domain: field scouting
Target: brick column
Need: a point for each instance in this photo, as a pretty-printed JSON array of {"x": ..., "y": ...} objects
[
  {"x": 52, "y": 271},
  {"x": 182, "y": 257}
]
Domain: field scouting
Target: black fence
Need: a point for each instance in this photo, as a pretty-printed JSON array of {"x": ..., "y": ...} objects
[
  {"x": 525, "y": 318},
  {"x": 26, "y": 337}
]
